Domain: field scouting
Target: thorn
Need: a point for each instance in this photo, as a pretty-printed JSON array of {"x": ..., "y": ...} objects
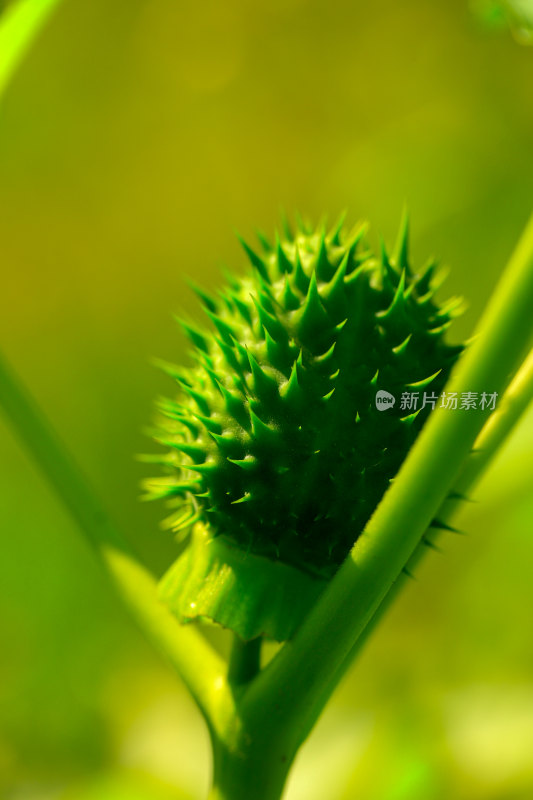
[
  {"x": 226, "y": 299},
  {"x": 260, "y": 430},
  {"x": 303, "y": 226},
  {"x": 178, "y": 416},
  {"x": 225, "y": 330},
  {"x": 424, "y": 299},
  {"x": 230, "y": 355},
  {"x": 211, "y": 425},
  {"x": 240, "y": 385},
  {"x": 202, "y": 469},
  {"x": 247, "y": 464},
  {"x": 275, "y": 351},
  {"x": 285, "y": 225},
  {"x": 199, "y": 399},
  {"x": 170, "y": 369},
  {"x": 263, "y": 241},
  {"x": 409, "y": 574},
  {"x": 179, "y": 520},
  {"x": 195, "y": 336},
  {"x": 390, "y": 272},
  {"x": 207, "y": 299},
  {"x": 226, "y": 444},
  {"x": 241, "y": 307},
  {"x": 291, "y": 391},
  {"x": 194, "y": 451},
  {"x": 410, "y": 418},
  {"x": 335, "y": 291},
  {"x": 397, "y": 303},
  {"x": 186, "y": 524},
  {"x": 336, "y": 230},
  {"x": 323, "y": 269},
  {"x": 269, "y": 322},
  {"x": 244, "y": 499},
  {"x": 154, "y": 458},
  {"x": 255, "y": 260},
  {"x": 424, "y": 382},
  {"x": 458, "y": 496},
  {"x": 432, "y": 277},
  {"x": 158, "y": 489},
  {"x": 436, "y": 332},
  {"x": 266, "y": 298},
  {"x": 235, "y": 408},
  {"x": 443, "y": 526},
  {"x": 312, "y": 317},
  {"x": 229, "y": 277},
  {"x": 402, "y": 347},
  {"x": 326, "y": 357},
  {"x": 191, "y": 486},
  {"x": 428, "y": 543},
  {"x": 290, "y": 300},
  {"x": 263, "y": 384},
  {"x": 356, "y": 235},
  {"x": 454, "y": 307},
  {"x": 300, "y": 279},
  {"x": 383, "y": 253},
  {"x": 401, "y": 251},
  {"x": 284, "y": 264}
]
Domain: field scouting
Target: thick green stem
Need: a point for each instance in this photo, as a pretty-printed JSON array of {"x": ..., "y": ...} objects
[
  {"x": 294, "y": 681},
  {"x": 250, "y": 761},
  {"x": 201, "y": 669},
  {"x": 241, "y": 774}
]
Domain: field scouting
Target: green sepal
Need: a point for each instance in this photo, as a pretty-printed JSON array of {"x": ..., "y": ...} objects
[{"x": 249, "y": 594}]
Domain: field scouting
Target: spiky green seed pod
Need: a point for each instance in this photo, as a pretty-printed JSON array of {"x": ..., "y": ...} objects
[{"x": 276, "y": 448}]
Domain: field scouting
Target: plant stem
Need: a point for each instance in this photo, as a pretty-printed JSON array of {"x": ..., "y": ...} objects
[
  {"x": 494, "y": 433},
  {"x": 242, "y": 774},
  {"x": 499, "y": 425},
  {"x": 201, "y": 669},
  {"x": 311, "y": 660},
  {"x": 18, "y": 28},
  {"x": 249, "y": 762},
  {"x": 244, "y": 660}
]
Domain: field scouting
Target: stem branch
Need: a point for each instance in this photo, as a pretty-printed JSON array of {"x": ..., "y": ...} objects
[
  {"x": 20, "y": 24},
  {"x": 199, "y": 666},
  {"x": 312, "y": 659}
]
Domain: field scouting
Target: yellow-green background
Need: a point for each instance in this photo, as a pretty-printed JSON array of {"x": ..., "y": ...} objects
[{"x": 134, "y": 139}]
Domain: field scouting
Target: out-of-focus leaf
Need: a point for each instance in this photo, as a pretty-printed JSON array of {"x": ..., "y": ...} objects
[{"x": 19, "y": 24}]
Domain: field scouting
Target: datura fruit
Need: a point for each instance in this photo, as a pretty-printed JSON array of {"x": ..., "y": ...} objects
[{"x": 277, "y": 452}]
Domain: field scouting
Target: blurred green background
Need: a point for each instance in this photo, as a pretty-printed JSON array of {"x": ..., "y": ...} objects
[{"x": 135, "y": 138}]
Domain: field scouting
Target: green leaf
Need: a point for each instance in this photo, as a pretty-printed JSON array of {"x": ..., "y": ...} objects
[{"x": 19, "y": 24}]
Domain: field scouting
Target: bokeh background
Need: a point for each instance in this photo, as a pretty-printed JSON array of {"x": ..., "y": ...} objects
[{"x": 134, "y": 139}]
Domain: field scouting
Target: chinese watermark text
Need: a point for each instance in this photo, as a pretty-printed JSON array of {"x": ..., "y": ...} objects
[{"x": 416, "y": 401}]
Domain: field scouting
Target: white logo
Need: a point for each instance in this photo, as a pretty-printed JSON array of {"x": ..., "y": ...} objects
[{"x": 384, "y": 400}]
